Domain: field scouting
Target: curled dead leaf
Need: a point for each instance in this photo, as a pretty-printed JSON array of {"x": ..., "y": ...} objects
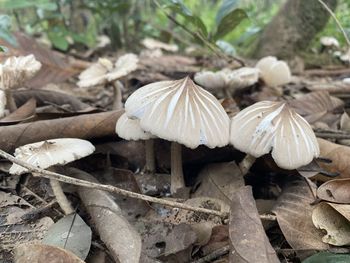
[{"x": 337, "y": 191}]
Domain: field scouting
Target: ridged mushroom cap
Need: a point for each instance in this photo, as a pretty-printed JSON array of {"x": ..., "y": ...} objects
[
  {"x": 95, "y": 74},
  {"x": 274, "y": 72},
  {"x": 48, "y": 153},
  {"x": 123, "y": 66},
  {"x": 274, "y": 126},
  {"x": 130, "y": 129},
  {"x": 180, "y": 111},
  {"x": 210, "y": 80},
  {"x": 17, "y": 70}
]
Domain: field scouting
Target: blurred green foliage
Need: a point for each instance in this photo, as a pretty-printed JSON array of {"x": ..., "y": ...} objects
[{"x": 226, "y": 24}]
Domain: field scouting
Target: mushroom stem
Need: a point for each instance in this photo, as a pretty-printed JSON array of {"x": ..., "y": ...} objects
[
  {"x": 60, "y": 196},
  {"x": 117, "y": 98},
  {"x": 228, "y": 93},
  {"x": 246, "y": 164},
  {"x": 177, "y": 177},
  {"x": 150, "y": 158},
  {"x": 10, "y": 101}
]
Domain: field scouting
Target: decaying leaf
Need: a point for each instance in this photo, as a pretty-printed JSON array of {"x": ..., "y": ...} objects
[
  {"x": 293, "y": 211},
  {"x": 334, "y": 219},
  {"x": 84, "y": 126},
  {"x": 24, "y": 113},
  {"x": 70, "y": 233},
  {"x": 328, "y": 257},
  {"x": 121, "y": 239},
  {"x": 247, "y": 235},
  {"x": 31, "y": 252},
  {"x": 220, "y": 180},
  {"x": 337, "y": 191},
  {"x": 338, "y": 154}
]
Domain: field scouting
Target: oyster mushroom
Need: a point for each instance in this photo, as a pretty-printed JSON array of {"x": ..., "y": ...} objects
[
  {"x": 51, "y": 153},
  {"x": 181, "y": 112},
  {"x": 129, "y": 129},
  {"x": 103, "y": 72},
  {"x": 274, "y": 127},
  {"x": 14, "y": 72}
]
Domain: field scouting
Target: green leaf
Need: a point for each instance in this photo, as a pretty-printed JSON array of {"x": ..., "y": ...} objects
[
  {"x": 327, "y": 257},
  {"x": 179, "y": 8},
  {"x": 229, "y": 22},
  {"x": 3, "y": 49},
  {"x": 5, "y": 33},
  {"x": 17, "y": 4},
  {"x": 227, "y": 6},
  {"x": 58, "y": 39}
]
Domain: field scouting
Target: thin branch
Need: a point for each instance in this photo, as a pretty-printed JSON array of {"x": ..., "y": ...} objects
[
  {"x": 214, "y": 255},
  {"x": 336, "y": 20}
]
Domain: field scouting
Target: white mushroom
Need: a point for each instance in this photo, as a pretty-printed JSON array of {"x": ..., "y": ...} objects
[
  {"x": 329, "y": 41},
  {"x": 274, "y": 126},
  {"x": 181, "y": 112},
  {"x": 153, "y": 44},
  {"x": 274, "y": 72},
  {"x": 50, "y": 153},
  {"x": 129, "y": 129},
  {"x": 103, "y": 72},
  {"x": 242, "y": 78},
  {"x": 14, "y": 73},
  {"x": 210, "y": 80}
]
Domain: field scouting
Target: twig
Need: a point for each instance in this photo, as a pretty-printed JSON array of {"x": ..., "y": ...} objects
[
  {"x": 214, "y": 255},
  {"x": 329, "y": 135},
  {"x": 336, "y": 20}
]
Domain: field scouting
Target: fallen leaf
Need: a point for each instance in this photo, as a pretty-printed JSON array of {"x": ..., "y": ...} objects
[
  {"x": 219, "y": 180},
  {"x": 294, "y": 211},
  {"x": 338, "y": 154},
  {"x": 70, "y": 233},
  {"x": 337, "y": 190},
  {"x": 247, "y": 235},
  {"x": 120, "y": 237},
  {"x": 86, "y": 126},
  {"x": 30, "y": 252},
  {"x": 327, "y": 217},
  {"x": 24, "y": 113},
  {"x": 328, "y": 257}
]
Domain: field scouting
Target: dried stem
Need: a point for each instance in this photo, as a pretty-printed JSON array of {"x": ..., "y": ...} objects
[
  {"x": 150, "y": 158},
  {"x": 246, "y": 164},
  {"x": 10, "y": 101},
  {"x": 177, "y": 176},
  {"x": 61, "y": 197},
  {"x": 118, "y": 97}
]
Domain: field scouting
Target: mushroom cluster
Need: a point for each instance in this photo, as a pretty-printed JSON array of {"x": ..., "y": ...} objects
[
  {"x": 274, "y": 72},
  {"x": 103, "y": 72},
  {"x": 181, "y": 112}
]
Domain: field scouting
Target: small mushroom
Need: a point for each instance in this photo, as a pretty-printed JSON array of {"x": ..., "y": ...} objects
[
  {"x": 103, "y": 72},
  {"x": 274, "y": 72},
  {"x": 345, "y": 57},
  {"x": 51, "y": 153},
  {"x": 182, "y": 112},
  {"x": 154, "y": 44},
  {"x": 129, "y": 129},
  {"x": 228, "y": 80},
  {"x": 273, "y": 127},
  {"x": 329, "y": 42},
  {"x": 14, "y": 73}
]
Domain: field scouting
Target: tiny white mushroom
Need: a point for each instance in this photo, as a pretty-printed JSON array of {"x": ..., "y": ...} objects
[
  {"x": 129, "y": 129},
  {"x": 329, "y": 41},
  {"x": 210, "y": 80},
  {"x": 153, "y": 44},
  {"x": 182, "y": 112},
  {"x": 50, "y": 153},
  {"x": 14, "y": 72},
  {"x": 242, "y": 78},
  {"x": 273, "y": 71},
  {"x": 274, "y": 127}
]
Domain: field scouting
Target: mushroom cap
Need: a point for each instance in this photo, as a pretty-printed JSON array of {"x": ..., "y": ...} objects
[
  {"x": 123, "y": 66},
  {"x": 329, "y": 41},
  {"x": 180, "y": 111},
  {"x": 129, "y": 129},
  {"x": 210, "y": 80},
  {"x": 95, "y": 74},
  {"x": 48, "y": 153},
  {"x": 242, "y": 78},
  {"x": 273, "y": 71},
  {"x": 17, "y": 70},
  {"x": 274, "y": 126},
  {"x": 151, "y": 43}
]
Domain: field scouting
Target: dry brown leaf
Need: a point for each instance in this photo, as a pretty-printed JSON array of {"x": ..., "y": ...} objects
[
  {"x": 293, "y": 211},
  {"x": 39, "y": 253},
  {"x": 220, "y": 180},
  {"x": 247, "y": 235},
  {"x": 24, "y": 113},
  {"x": 121, "y": 239},
  {"x": 55, "y": 66},
  {"x": 334, "y": 219},
  {"x": 86, "y": 126},
  {"x": 340, "y": 156},
  {"x": 337, "y": 191}
]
